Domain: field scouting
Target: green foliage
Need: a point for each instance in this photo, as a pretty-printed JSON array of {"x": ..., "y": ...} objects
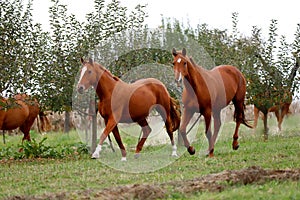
[
  {"x": 139, "y": 57},
  {"x": 45, "y": 63},
  {"x": 19, "y": 51},
  {"x": 35, "y": 149}
]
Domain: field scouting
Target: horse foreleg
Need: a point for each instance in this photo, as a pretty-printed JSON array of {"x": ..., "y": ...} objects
[
  {"x": 217, "y": 125},
  {"x": 256, "y": 115},
  {"x": 186, "y": 117},
  {"x": 110, "y": 125},
  {"x": 146, "y": 131},
  {"x": 284, "y": 111},
  {"x": 279, "y": 119},
  {"x": 3, "y": 132},
  {"x": 120, "y": 143},
  {"x": 207, "y": 118}
]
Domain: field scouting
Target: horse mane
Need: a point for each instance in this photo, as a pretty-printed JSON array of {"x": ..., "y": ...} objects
[
  {"x": 107, "y": 71},
  {"x": 193, "y": 62}
]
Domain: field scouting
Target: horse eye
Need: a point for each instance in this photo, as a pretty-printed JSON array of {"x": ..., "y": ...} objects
[
  {"x": 184, "y": 63},
  {"x": 90, "y": 71}
]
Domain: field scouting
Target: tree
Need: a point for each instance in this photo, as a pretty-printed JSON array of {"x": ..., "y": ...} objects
[{"x": 22, "y": 49}]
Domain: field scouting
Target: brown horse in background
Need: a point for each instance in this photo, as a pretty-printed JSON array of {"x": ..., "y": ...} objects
[
  {"x": 21, "y": 111},
  {"x": 207, "y": 92},
  {"x": 279, "y": 110},
  {"x": 121, "y": 102}
]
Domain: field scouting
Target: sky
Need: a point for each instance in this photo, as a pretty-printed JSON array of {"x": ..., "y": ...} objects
[{"x": 215, "y": 13}]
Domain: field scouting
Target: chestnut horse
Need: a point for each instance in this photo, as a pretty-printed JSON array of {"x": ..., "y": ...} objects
[
  {"x": 279, "y": 110},
  {"x": 21, "y": 112},
  {"x": 121, "y": 102},
  {"x": 208, "y": 92}
]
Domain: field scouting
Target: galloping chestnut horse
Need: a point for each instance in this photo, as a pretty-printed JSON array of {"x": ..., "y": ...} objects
[
  {"x": 208, "y": 92},
  {"x": 121, "y": 102},
  {"x": 21, "y": 112}
]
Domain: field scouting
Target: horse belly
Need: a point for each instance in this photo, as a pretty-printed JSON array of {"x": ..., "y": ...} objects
[{"x": 14, "y": 118}]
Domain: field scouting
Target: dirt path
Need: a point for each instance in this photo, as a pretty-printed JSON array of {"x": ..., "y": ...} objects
[{"x": 212, "y": 182}]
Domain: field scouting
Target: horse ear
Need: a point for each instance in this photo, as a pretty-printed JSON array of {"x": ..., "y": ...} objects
[
  {"x": 81, "y": 59},
  {"x": 91, "y": 61},
  {"x": 174, "y": 52},
  {"x": 184, "y": 52}
]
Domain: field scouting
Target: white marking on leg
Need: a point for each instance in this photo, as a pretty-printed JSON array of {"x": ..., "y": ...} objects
[
  {"x": 123, "y": 159},
  {"x": 96, "y": 153},
  {"x": 174, "y": 150}
]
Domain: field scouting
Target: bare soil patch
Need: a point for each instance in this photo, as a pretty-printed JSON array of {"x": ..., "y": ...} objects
[{"x": 212, "y": 182}]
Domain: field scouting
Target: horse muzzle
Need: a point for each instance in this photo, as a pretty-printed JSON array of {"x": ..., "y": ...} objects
[
  {"x": 178, "y": 79},
  {"x": 177, "y": 82},
  {"x": 80, "y": 88}
]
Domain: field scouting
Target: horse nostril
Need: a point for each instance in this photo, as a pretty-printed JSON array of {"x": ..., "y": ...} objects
[{"x": 80, "y": 89}]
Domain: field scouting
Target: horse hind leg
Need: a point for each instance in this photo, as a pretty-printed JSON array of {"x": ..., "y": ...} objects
[
  {"x": 239, "y": 118},
  {"x": 146, "y": 131},
  {"x": 171, "y": 136},
  {"x": 25, "y": 128},
  {"x": 120, "y": 143},
  {"x": 169, "y": 126}
]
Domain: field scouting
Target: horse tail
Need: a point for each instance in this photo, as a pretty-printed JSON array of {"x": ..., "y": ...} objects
[
  {"x": 175, "y": 113},
  {"x": 45, "y": 123},
  {"x": 243, "y": 118}
]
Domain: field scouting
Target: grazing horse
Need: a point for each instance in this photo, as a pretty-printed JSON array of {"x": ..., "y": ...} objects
[
  {"x": 20, "y": 112},
  {"x": 121, "y": 102},
  {"x": 208, "y": 92}
]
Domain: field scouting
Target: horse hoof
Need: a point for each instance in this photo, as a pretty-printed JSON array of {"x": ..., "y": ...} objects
[
  {"x": 210, "y": 155},
  {"x": 123, "y": 159},
  {"x": 236, "y": 147},
  {"x": 137, "y": 155},
  {"x": 191, "y": 150},
  {"x": 95, "y": 156},
  {"x": 174, "y": 154}
]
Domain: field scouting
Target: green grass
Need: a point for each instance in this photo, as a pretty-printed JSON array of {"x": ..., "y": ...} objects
[{"x": 72, "y": 175}]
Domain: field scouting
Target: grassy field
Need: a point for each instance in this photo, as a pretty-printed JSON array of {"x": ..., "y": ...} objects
[{"x": 79, "y": 177}]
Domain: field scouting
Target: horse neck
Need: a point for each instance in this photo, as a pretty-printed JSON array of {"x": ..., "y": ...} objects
[
  {"x": 195, "y": 75},
  {"x": 105, "y": 84}
]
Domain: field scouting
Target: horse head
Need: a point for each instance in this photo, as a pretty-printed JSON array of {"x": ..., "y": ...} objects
[
  {"x": 88, "y": 76},
  {"x": 179, "y": 65}
]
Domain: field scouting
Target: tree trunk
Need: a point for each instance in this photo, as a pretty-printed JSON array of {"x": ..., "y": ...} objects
[{"x": 67, "y": 122}]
